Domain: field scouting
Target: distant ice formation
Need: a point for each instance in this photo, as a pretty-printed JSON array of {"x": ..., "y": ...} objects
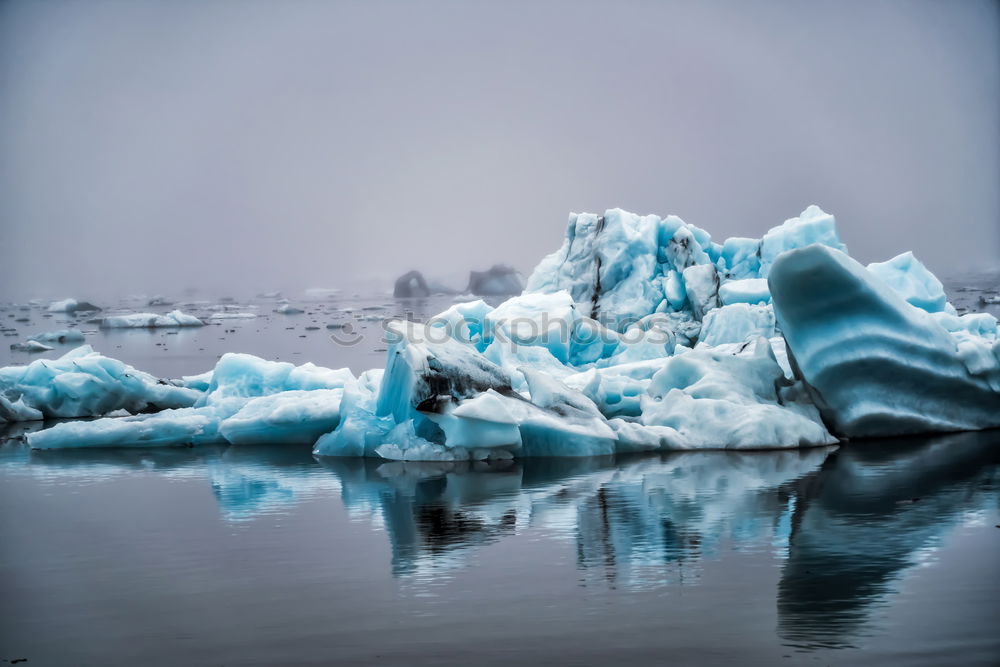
[
  {"x": 638, "y": 333},
  {"x": 174, "y": 318}
]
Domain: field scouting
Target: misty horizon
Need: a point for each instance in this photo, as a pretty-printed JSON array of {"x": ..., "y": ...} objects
[{"x": 240, "y": 147}]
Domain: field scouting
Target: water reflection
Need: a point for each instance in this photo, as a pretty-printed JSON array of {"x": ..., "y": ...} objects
[
  {"x": 842, "y": 525},
  {"x": 872, "y": 511}
]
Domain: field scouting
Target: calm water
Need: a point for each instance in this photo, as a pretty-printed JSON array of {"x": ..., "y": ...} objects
[
  {"x": 876, "y": 553},
  {"x": 872, "y": 553}
]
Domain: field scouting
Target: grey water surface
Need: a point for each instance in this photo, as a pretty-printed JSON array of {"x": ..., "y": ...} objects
[{"x": 871, "y": 553}]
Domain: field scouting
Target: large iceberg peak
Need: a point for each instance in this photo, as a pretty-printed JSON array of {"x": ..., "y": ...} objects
[{"x": 620, "y": 267}]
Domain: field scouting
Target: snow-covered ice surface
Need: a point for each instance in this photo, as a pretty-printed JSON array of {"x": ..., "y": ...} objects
[{"x": 640, "y": 333}]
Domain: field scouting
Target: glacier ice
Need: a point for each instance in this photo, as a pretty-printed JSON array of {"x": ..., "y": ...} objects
[
  {"x": 174, "y": 318},
  {"x": 83, "y": 383},
  {"x": 747, "y": 290},
  {"x": 874, "y": 363},
  {"x": 725, "y": 401},
  {"x": 246, "y": 400},
  {"x": 736, "y": 323},
  {"x": 70, "y": 306},
  {"x": 638, "y": 333},
  {"x": 61, "y": 336},
  {"x": 30, "y": 346},
  {"x": 297, "y": 416},
  {"x": 911, "y": 280}
]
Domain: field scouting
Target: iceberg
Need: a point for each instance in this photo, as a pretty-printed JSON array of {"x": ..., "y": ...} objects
[
  {"x": 232, "y": 315},
  {"x": 174, "y": 318},
  {"x": 297, "y": 416},
  {"x": 640, "y": 333},
  {"x": 620, "y": 267},
  {"x": 30, "y": 346},
  {"x": 70, "y": 306},
  {"x": 184, "y": 426},
  {"x": 247, "y": 400},
  {"x": 498, "y": 280},
  {"x": 874, "y": 363},
  {"x": 83, "y": 383},
  {"x": 61, "y": 336}
]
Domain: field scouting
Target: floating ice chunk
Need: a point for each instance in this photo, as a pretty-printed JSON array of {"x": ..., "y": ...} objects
[
  {"x": 750, "y": 290},
  {"x": 238, "y": 375},
  {"x": 70, "y": 306},
  {"x": 717, "y": 400},
  {"x": 737, "y": 323},
  {"x": 185, "y": 426},
  {"x": 812, "y": 226},
  {"x": 911, "y": 279},
  {"x": 875, "y": 364},
  {"x": 238, "y": 315},
  {"x": 288, "y": 309},
  {"x": 30, "y": 346},
  {"x": 299, "y": 416},
  {"x": 174, "y": 318},
  {"x": 82, "y": 383},
  {"x": 498, "y": 280},
  {"x": 983, "y": 325},
  {"x": 64, "y": 306},
  {"x": 61, "y": 336},
  {"x": 298, "y": 404}
]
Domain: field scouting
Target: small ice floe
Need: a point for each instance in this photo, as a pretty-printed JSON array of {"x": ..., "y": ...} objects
[
  {"x": 174, "y": 318},
  {"x": 61, "y": 336},
  {"x": 30, "y": 346},
  {"x": 71, "y": 306}
]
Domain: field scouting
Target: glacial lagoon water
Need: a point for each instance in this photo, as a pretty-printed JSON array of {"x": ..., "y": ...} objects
[{"x": 878, "y": 552}]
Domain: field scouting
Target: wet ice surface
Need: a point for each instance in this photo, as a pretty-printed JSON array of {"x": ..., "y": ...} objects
[{"x": 877, "y": 553}]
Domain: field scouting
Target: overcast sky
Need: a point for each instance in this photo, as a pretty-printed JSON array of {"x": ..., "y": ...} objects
[{"x": 148, "y": 146}]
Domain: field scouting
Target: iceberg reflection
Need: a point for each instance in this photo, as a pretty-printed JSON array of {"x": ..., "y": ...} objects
[
  {"x": 872, "y": 511},
  {"x": 628, "y": 517},
  {"x": 842, "y": 525}
]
